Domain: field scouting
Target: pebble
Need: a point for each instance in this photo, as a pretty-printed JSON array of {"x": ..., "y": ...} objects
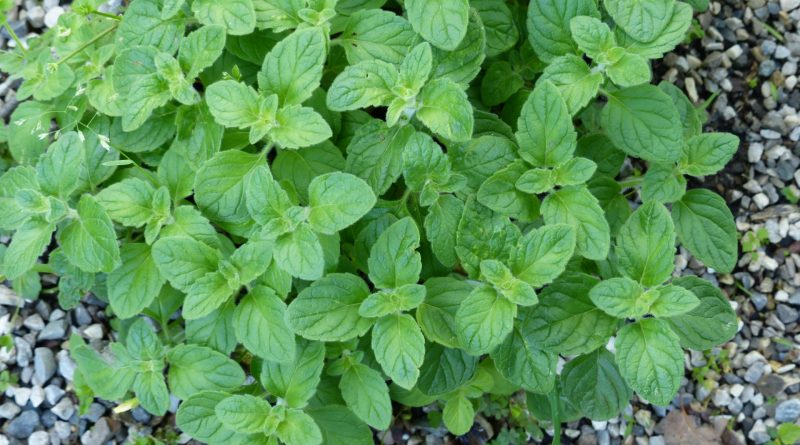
[
  {"x": 55, "y": 330},
  {"x": 759, "y": 433},
  {"x": 44, "y": 365},
  {"x": 721, "y": 397},
  {"x": 53, "y": 394},
  {"x": 37, "y": 396},
  {"x": 754, "y": 372},
  {"x": 754, "y": 152},
  {"x": 24, "y": 425},
  {"x": 36, "y": 16},
  {"x": 9, "y": 410},
  {"x": 22, "y": 395},
  {"x": 39, "y": 438},
  {"x": 34, "y": 322},
  {"x": 95, "y": 412},
  {"x": 787, "y": 411},
  {"x": 94, "y": 332},
  {"x": 64, "y": 409},
  {"x": 761, "y": 200},
  {"x": 787, "y": 314},
  {"x": 99, "y": 434},
  {"x": 51, "y": 18},
  {"x": 66, "y": 366},
  {"x": 788, "y": 5},
  {"x": 766, "y": 68}
]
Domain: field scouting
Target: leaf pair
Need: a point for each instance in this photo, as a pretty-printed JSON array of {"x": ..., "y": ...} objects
[{"x": 289, "y": 75}]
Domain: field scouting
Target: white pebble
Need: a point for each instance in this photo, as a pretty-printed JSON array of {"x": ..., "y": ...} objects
[{"x": 51, "y": 18}]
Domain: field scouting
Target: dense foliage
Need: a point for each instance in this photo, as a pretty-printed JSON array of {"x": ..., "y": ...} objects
[{"x": 331, "y": 196}]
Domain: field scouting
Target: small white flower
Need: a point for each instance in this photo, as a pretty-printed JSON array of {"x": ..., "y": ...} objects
[
  {"x": 42, "y": 136},
  {"x": 104, "y": 142},
  {"x": 81, "y": 136}
]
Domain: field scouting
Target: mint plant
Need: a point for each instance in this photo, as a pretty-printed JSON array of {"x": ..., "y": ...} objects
[{"x": 361, "y": 202}]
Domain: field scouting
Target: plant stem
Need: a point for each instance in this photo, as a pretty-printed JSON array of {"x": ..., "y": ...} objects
[
  {"x": 106, "y": 15},
  {"x": 91, "y": 42},
  {"x": 631, "y": 182},
  {"x": 16, "y": 38},
  {"x": 555, "y": 414},
  {"x": 43, "y": 268}
]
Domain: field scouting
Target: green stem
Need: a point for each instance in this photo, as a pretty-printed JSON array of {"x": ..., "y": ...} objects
[
  {"x": 106, "y": 15},
  {"x": 91, "y": 42},
  {"x": 16, "y": 38},
  {"x": 555, "y": 413},
  {"x": 43, "y": 268},
  {"x": 629, "y": 183}
]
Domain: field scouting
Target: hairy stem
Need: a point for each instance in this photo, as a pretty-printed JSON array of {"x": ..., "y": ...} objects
[
  {"x": 16, "y": 38},
  {"x": 91, "y": 42},
  {"x": 555, "y": 414}
]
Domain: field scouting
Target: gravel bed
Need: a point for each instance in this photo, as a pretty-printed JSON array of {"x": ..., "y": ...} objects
[{"x": 744, "y": 62}]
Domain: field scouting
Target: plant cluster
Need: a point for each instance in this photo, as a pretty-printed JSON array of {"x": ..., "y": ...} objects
[{"x": 367, "y": 202}]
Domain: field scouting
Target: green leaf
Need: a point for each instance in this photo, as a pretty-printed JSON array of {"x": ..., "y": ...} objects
[
  {"x": 436, "y": 314},
  {"x": 27, "y": 244},
  {"x": 630, "y": 70},
  {"x": 128, "y": 202},
  {"x": 278, "y": 15},
  {"x": 200, "y": 49},
  {"x": 298, "y": 428},
  {"x": 299, "y": 167},
  {"x": 293, "y": 68},
  {"x": 328, "y": 309},
  {"x": 399, "y": 348},
  {"x": 513, "y": 289},
  {"x": 244, "y": 413},
  {"x": 340, "y": 426},
  {"x": 498, "y": 19},
  {"x": 300, "y": 253},
  {"x": 376, "y": 35},
  {"x": 462, "y": 64},
  {"x": 196, "y": 416},
  {"x": 544, "y": 130},
  {"x": 548, "y": 25},
  {"x": 424, "y": 161},
  {"x": 298, "y": 127},
  {"x": 645, "y": 247},
  {"x": 214, "y": 330},
  {"x": 663, "y": 183},
  {"x": 109, "y": 380},
  {"x": 441, "y": 225},
  {"x": 643, "y": 122},
  {"x": 367, "y": 395},
  {"x": 136, "y": 282},
  {"x": 575, "y": 206},
  {"x": 152, "y": 392},
  {"x": 541, "y": 255},
  {"x": 296, "y": 381},
  {"x": 58, "y": 170},
  {"x": 673, "y": 301},
  {"x": 706, "y": 154},
  {"x": 500, "y": 83},
  {"x": 393, "y": 260},
  {"x": 483, "y": 234},
  {"x": 207, "y": 294},
  {"x": 520, "y": 361},
  {"x": 366, "y": 84},
  {"x": 650, "y": 359},
  {"x": 501, "y": 194},
  {"x": 446, "y": 110},
  {"x": 710, "y": 323},
  {"x": 184, "y": 260},
  {"x": 237, "y": 16},
  {"x": 619, "y": 297},
  {"x": 593, "y": 383},
  {"x": 90, "y": 241},
  {"x": 235, "y": 104},
  {"x": 690, "y": 116},
  {"x": 403, "y": 298},
  {"x": 592, "y": 36},
  {"x": 143, "y": 25},
  {"x": 483, "y": 320},
  {"x": 565, "y": 321},
  {"x": 194, "y": 369},
  {"x": 219, "y": 189},
  {"x": 671, "y": 36},
  {"x": 142, "y": 341},
  {"x": 376, "y": 154},
  {"x": 642, "y": 19},
  {"x": 445, "y": 369},
  {"x": 705, "y": 226},
  {"x": 441, "y": 22},
  {"x": 458, "y": 415},
  {"x": 259, "y": 325}
]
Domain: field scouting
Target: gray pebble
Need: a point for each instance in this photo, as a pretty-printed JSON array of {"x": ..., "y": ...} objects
[
  {"x": 768, "y": 47},
  {"x": 787, "y": 411},
  {"x": 759, "y": 301},
  {"x": 62, "y": 429},
  {"x": 24, "y": 351},
  {"x": 37, "y": 396},
  {"x": 95, "y": 412},
  {"x": 22, "y": 395},
  {"x": 34, "y": 322},
  {"x": 9, "y": 410},
  {"x": 64, "y": 409},
  {"x": 66, "y": 366},
  {"x": 81, "y": 315},
  {"x": 39, "y": 438},
  {"x": 24, "y": 425},
  {"x": 766, "y": 68},
  {"x": 754, "y": 372},
  {"x": 721, "y": 397},
  {"x": 759, "y": 433},
  {"x": 53, "y": 394},
  {"x": 782, "y": 52},
  {"x": 140, "y": 415},
  {"x": 787, "y": 314},
  {"x": 44, "y": 365},
  {"x": 98, "y": 435},
  {"x": 55, "y": 330}
]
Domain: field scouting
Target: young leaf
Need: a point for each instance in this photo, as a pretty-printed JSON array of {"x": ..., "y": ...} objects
[
  {"x": 458, "y": 415},
  {"x": 328, "y": 309},
  {"x": 576, "y": 207},
  {"x": 297, "y": 127},
  {"x": 363, "y": 85},
  {"x": 237, "y": 16},
  {"x": 548, "y": 25},
  {"x": 200, "y": 49},
  {"x": 705, "y": 226},
  {"x": 197, "y": 416},
  {"x": 367, "y": 395},
  {"x": 650, "y": 359},
  {"x": 645, "y": 247},
  {"x": 300, "y": 253},
  {"x": 375, "y": 34},
  {"x": 259, "y": 325},
  {"x": 483, "y": 320},
  {"x": 706, "y": 154},
  {"x": 446, "y": 110},
  {"x": 393, "y": 260},
  {"x": 710, "y": 323},
  {"x": 298, "y": 428},
  {"x": 399, "y": 347},
  {"x": 643, "y": 20},
  {"x": 593, "y": 383},
  {"x": 293, "y": 68},
  {"x": 28, "y": 243},
  {"x": 441, "y": 22},
  {"x": 193, "y": 369},
  {"x": 618, "y": 297},
  {"x": 544, "y": 130},
  {"x": 136, "y": 283},
  {"x": 89, "y": 241},
  {"x": 673, "y": 300},
  {"x": 58, "y": 170},
  {"x": 183, "y": 260},
  {"x": 244, "y": 413},
  {"x": 542, "y": 254},
  {"x": 296, "y": 382}
]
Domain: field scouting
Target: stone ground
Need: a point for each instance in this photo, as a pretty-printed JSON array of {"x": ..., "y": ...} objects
[{"x": 743, "y": 62}]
